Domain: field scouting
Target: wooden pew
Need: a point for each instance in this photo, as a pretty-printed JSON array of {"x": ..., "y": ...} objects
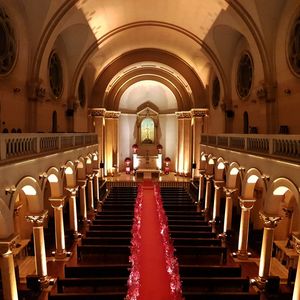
[
  {"x": 105, "y": 241},
  {"x": 109, "y": 233},
  {"x": 194, "y": 253},
  {"x": 97, "y": 271},
  {"x": 105, "y": 253},
  {"x": 92, "y": 284},
  {"x": 192, "y": 234},
  {"x": 210, "y": 271},
  {"x": 196, "y": 242},
  {"x": 221, "y": 296},
  {"x": 87, "y": 296},
  {"x": 213, "y": 284}
]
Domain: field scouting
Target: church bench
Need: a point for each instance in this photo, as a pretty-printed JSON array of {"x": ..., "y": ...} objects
[
  {"x": 195, "y": 252},
  {"x": 95, "y": 284},
  {"x": 190, "y": 227},
  {"x": 186, "y": 222},
  {"x": 103, "y": 216},
  {"x": 88, "y": 296},
  {"x": 196, "y": 242},
  {"x": 212, "y": 284},
  {"x": 192, "y": 234},
  {"x": 97, "y": 271},
  {"x": 109, "y": 233},
  {"x": 105, "y": 253},
  {"x": 105, "y": 241},
  {"x": 209, "y": 271},
  {"x": 221, "y": 296},
  {"x": 185, "y": 217},
  {"x": 112, "y": 221},
  {"x": 110, "y": 227}
]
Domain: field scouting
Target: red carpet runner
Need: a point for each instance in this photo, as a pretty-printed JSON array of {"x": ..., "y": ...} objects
[{"x": 154, "y": 273}]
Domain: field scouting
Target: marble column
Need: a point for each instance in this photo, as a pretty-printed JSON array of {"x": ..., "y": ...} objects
[
  {"x": 270, "y": 222},
  {"x": 296, "y": 292},
  {"x": 201, "y": 185},
  {"x": 17, "y": 221},
  {"x": 91, "y": 206},
  {"x": 9, "y": 282},
  {"x": 228, "y": 210},
  {"x": 72, "y": 191},
  {"x": 82, "y": 197},
  {"x": 96, "y": 185},
  {"x": 246, "y": 206},
  {"x": 218, "y": 184},
  {"x": 58, "y": 204},
  {"x": 39, "y": 246},
  {"x": 207, "y": 192}
]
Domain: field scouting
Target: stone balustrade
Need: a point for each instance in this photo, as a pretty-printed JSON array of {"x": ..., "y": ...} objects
[
  {"x": 285, "y": 147},
  {"x": 24, "y": 145}
]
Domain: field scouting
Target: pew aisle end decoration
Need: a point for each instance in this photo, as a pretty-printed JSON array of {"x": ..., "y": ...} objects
[
  {"x": 134, "y": 277},
  {"x": 171, "y": 260}
]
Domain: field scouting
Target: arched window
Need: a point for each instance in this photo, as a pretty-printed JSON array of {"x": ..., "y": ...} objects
[
  {"x": 294, "y": 47},
  {"x": 147, "y": 131},
  {"x": 244, "y": 75},
  {"x": 55, "y": 75}
]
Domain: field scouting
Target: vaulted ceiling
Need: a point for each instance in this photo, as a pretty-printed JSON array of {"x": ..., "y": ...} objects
[{"x": 176, "y": 43}]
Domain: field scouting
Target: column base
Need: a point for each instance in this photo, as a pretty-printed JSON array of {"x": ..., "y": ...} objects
[
  {"x": 77, "y": 235},
  {"x": 36, "y": 282},
  {"x": 259, "y": 282},
  {"x": 61, "y": 254},
  {"x": 240, "y": 254}
]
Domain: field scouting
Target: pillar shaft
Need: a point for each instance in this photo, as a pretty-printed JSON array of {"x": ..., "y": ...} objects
[
  {"x": 82, "y": 198},
  {"x": 57, "y": 205},
  {"x": 296, "y": 292},
  {"x": 90, "y": 193},
  {"x": 270, "y": 222},
  {"x": 246, "y": 206},
  {"x": 217, "y": 199},
  {"x": 201, "y": 186},
  {"x": 207, "y": 192},
  {"x": 9, "y": 283},
  {"x": 228, "y": 211},
  {"x": 96, "y": 185}
]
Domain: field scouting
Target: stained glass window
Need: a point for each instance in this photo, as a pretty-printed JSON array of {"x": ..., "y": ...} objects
[{"x": 147, "y": 131}]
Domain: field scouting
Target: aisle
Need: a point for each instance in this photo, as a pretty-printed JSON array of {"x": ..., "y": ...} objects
[
  {"x": 149, "y": 278},
  {"x": 155, "y": 281}
]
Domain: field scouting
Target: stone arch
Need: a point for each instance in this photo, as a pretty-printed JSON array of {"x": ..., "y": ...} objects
[
  {"x": 56, "y": 183},
  {"x": 89, "y": 164},
  {"x": 95, "y": 160},
  {"x": 81, "y": 169},
  {"x": 220, "y": 169},
  {"x": 252, "y": 179},
  {"x": 210, "y": 165},
  {"x": 283, "y": 199},
  {"x": 70, "y": 174},
  {"x": 233, "y": 175},
  {"x": 203, "y": 161}
]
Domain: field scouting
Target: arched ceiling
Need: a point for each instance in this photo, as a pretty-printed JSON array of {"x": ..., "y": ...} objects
[{"x": 197, "y": 33}]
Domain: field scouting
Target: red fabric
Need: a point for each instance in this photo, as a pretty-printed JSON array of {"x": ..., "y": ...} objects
[{"x": 154, "y": 279}]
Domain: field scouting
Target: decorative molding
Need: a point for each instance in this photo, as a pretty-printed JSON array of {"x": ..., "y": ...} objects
[
  {"x": 199, "y": 112},
  {"x": 110, "y": 114},
  {"x": 37, "y": 219},
  {"x": 97, "y": 112},
  {"x": 8, "y": 244},
  {"x": 247, "y": 203},
  {"x": 183, "y": 114},
  {"x": 270, "y": 221}
]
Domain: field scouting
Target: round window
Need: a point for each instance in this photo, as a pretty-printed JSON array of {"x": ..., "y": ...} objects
[
  {"x": 7, "y": 44},
  {"x": 244, "y": 75},
  {"x": 55, "y": 75},
  {"x": 294, "y": 48},
  {"x": 216, "y": 92}
]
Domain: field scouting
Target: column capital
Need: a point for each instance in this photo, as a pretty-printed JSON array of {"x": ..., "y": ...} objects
[
  {"x": 37, "y": 219},
  {"x": 218, "y": 183},
  {"x": 202, "y": 171},
  {"x": 110, "y": 114},
  {"x": 208, "y": 177},
  {"x": 199, "y": 112},
  {"x": 183, "y": 114},
  {"x": 8, "y": 244},
  {"x": 229, "y": 191},
  {"x": 81, "y": 183},
  {"x": 90, "y": 176},
  {"x": 57, "y": 202},
  {"x": 72, "y": 190},
  {"x": 96, "y": 112},
  {"x": 247, "y": 204},
  {"x": 270, "y": 221}
]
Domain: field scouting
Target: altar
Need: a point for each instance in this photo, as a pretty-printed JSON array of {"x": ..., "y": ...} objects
[{"x": 147, "y": 173}]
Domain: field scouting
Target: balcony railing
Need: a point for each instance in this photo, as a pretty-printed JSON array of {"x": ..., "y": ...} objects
[
  {"x": 21, "y": 146},
  {"x": 286, "y": 147}
]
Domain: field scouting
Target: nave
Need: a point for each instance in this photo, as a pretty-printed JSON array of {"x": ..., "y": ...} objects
[{"x": 99, "y": 266}]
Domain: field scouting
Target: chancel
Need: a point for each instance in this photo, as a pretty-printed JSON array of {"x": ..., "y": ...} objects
[{"x": 149, "y": 149}]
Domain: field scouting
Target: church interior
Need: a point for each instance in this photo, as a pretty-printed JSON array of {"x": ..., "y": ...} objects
[{"x": 149, "y": 149}]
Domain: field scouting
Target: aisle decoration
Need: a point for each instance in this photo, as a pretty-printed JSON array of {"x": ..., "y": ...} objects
[{"x": 171, "y": 260}]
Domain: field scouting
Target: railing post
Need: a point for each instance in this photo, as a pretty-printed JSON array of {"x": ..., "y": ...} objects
[
  {"x": 59, "y": 141},
  {"x": 271, "y": 145},
  {"x": 38, "y": 144}
]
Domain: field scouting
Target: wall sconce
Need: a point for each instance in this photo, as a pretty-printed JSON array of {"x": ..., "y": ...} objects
[
  {"x": 16, "y": 90},
  {"x": 40, "y": 92},
  {"x": 287, "y": 92}
]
